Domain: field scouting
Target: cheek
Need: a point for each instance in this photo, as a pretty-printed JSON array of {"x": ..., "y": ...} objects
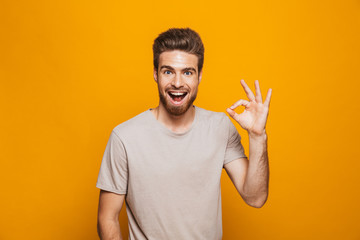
[
  {"x": 163, "y": 85},
  {"x": 165, "y": 80},
  {"x": 193, "y": 84}
]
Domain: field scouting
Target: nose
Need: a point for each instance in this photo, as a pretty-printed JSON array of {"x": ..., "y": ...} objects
[{"x": 177, "y": 81}]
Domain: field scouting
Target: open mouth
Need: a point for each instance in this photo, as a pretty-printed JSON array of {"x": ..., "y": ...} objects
[{"x": 177, "y": 97}]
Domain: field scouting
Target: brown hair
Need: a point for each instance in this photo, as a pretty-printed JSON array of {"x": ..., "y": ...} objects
[{"x": 184, "y": 39}]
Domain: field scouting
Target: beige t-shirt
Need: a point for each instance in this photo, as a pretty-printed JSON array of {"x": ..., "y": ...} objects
[{"x": 171, "y": 180}]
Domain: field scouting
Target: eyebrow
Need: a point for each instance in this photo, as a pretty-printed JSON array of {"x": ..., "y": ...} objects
[
  {"x": 167, "y": 66},
  {"x": 184, "y": 69},
  {"x": 189, "y": 69}
]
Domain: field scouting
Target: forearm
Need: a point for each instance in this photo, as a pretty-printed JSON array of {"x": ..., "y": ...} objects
[
  {"x": 109, "y": 230},
  {"x": 257, "y": 177}
]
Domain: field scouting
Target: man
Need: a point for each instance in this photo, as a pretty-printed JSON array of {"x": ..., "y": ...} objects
[{"x": 166, "y": 162}]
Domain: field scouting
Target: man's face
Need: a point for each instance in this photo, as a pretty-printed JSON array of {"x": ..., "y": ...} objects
[{"x": 178, "y": 78}]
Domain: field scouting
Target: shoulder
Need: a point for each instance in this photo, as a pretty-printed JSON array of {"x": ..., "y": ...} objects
[
  {"x": 210, "y": 117},
  {"x": 133, "y": 125}
]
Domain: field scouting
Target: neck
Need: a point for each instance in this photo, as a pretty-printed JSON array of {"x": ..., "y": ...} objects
[{"x": 177, "y": 124}]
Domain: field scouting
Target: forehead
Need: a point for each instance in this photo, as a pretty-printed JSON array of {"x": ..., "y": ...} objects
[{"x": 178, "y": 59}]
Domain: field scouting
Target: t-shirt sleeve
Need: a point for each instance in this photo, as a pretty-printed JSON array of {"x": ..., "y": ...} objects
[
  {"x": 234, "y": 148},
  {"x": 113, "y": 173}
]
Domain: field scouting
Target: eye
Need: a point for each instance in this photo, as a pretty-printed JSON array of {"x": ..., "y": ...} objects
[
  {"x": 188, "y": 73},
  {"x": 167, "y": 72}
]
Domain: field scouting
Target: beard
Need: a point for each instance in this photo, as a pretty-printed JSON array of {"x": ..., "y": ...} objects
[{"x": 176, "y": 110}]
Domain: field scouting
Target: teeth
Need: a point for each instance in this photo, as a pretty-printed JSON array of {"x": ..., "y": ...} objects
[{"x": 178, "y": 93}]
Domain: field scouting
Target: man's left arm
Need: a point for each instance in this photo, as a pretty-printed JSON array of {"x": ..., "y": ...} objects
[{"x": 251, "y": 177}]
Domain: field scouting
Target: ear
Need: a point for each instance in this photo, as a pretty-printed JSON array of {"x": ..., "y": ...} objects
[
  {"x": 155, "y": 74},
  {"x": 200, "y": 75}
]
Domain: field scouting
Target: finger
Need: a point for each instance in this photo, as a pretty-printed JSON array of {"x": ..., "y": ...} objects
[
  {"x": 258, "y": 97},
  {"x": 248, "y": 91},
  {"x": 268, "y": 97},
  {"x": 231, "y": 112},
  {"x": 241, "y": 102}
]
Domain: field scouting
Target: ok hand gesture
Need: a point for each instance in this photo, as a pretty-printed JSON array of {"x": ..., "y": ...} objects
[{"x": 254, "y": 117}]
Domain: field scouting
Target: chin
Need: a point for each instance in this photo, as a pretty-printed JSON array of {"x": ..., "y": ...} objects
[{"x": 177, "y": 110}]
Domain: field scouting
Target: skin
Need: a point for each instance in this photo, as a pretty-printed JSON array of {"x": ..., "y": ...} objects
[
  {"x": 178, "y": 71},
  {"x": 110, "y": 205},
  {"x": 251, "y": 178}
]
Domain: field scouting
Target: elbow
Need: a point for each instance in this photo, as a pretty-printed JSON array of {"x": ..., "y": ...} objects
[{"x": 257, "y": 202}]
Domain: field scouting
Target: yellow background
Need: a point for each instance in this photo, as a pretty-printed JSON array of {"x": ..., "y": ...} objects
[{"x": 72, "y": 70}]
